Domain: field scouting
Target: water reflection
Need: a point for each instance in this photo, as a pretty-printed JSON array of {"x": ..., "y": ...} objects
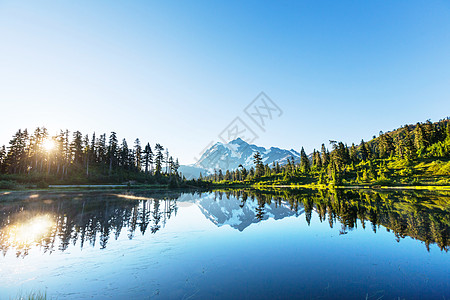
[
  {"x": 26, "y": 231},
  {"x": 424, "y": 216},
  {"x": 61, "y": 220},
  {"x": 54, "y": 221}
]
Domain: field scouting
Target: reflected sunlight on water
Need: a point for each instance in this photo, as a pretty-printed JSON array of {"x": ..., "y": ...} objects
[
  {"x": 231, "y": 244},
  {"x": 132, "y": 197},
  {"x": 24, "y": 234}
]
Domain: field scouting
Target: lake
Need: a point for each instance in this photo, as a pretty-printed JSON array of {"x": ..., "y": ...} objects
[{"x": 241, "y": 244}]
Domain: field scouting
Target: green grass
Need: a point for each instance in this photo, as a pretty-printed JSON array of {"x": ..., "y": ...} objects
[
  {"x": 32, "y": 296},
  {"x": 10, "y": 185}
]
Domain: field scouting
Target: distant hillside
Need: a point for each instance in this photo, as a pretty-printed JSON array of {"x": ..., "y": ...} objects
[{"x": 411, "y": 155}]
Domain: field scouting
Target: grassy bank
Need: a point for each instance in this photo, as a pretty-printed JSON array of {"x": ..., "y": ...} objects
[
  {"x": 378, "y": 173},
  {"x": 374, "y": 186}
]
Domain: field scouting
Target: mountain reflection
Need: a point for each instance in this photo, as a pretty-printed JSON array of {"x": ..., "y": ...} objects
[
  {"x": 240, "y": 209},
  {"x": 54, "y": 221}
]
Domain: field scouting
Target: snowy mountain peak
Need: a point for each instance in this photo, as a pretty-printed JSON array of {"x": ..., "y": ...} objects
[
  {"x": 238, "y": 141},
  {"x": 229, "y": 156}
]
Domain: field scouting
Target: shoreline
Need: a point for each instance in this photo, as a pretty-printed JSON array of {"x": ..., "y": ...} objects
[
  {"x": 357, "y": 187},
  {"x": 68, "y": 187}
]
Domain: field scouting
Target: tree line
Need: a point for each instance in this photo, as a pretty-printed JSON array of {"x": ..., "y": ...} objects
[
  {"x": 74, "y": 156},
  {"x": 391, "y": 154},
  {"x": 422, "y": 217}
]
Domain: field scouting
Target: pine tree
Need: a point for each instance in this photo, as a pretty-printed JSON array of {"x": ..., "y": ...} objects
[
  {"x": 167, "y": 160},
  {"x": 257, "y": 160},
  {"x": 87, "y": 153},
  {"x": 112, "y": 151},
  {"x": 227, "y": 175},
  {"x": 2, "y": 158},
  {"x": 363, "y": 151},
  {"x": 159, "y": 158},
  {"x": 420, "y": 141},
  {"x": 278, "y": 167},
  {"x": 325, "y": 156},
  {"x": 353, "y": 154},
  {"x": 15, "y": 159},
  {"x": 171, "y": 164},
  {"x": 36, "y": 151},
  {"x": 318, "y": 160},
  {"x": 138, "y": 155},
  {"x": 67, "y": 153},
  {"x": 148, "y": 157},
  {"x": 244, "y": 174},
  {"x": 101, "y": 148},
  {"x": 304, "y": 162},
  {"x": 77, "y": 147},
  {"x": 124, "y": 155},
  {"x": 410, "y": 150},
  {"x": 93, "y": 149},
  {"x": 60, "y": 157},
  {"x": 251, "y": 174},
  {"x": 386, "y": 146},
  {"x": 131, "y": 160},
  {"x": 175, "y": 166}
]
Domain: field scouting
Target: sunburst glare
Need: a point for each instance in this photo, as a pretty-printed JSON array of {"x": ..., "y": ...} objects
[
  {"x": 49, "y": 144},
  {"x": 29, "y": 232}
]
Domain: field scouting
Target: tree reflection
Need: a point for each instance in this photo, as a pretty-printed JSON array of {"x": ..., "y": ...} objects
[
  {"x": 424, "y": 216},
  {"x": 72, "y": 220},
  {"x": 54, "y": 222}
]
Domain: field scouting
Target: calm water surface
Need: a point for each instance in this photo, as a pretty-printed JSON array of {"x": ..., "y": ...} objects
[{"x": 225, "y": 245}]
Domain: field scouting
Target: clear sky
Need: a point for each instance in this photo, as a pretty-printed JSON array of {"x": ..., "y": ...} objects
[{"x": 178, "y": 72}]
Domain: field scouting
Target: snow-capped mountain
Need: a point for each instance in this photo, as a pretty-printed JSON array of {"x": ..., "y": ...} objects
[
  {"x": 229, "y": 156},
  {"x": 239, "y": 214}
]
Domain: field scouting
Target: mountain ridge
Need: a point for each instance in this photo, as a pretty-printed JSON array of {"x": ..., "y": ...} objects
[{"x": 231, "y": 155}]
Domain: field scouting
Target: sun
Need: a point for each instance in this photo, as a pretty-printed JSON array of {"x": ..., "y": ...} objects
[{"x": 49, "y": 144}]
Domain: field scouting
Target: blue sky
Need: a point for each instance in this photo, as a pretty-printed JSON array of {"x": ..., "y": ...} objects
[{"x": 178, "y": 72}]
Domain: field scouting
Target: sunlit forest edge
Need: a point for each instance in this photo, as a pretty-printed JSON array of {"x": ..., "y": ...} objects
[{"x": 413, "y": 155}]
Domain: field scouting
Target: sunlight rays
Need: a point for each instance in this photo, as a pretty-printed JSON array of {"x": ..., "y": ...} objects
[{"x": 49, "y": 145}]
